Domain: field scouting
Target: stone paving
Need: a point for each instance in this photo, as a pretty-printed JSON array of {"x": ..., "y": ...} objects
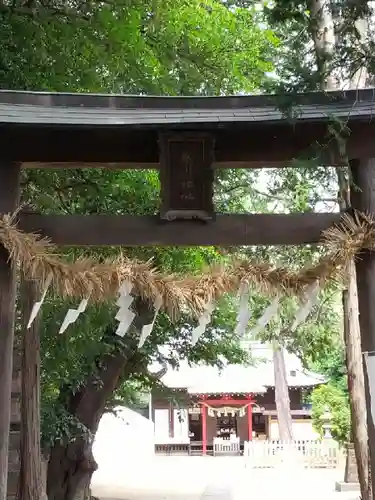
[{"x": 207, "y": 478}]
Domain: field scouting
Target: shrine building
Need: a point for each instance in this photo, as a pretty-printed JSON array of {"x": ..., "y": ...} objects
[{"x": 202, "y": 403}]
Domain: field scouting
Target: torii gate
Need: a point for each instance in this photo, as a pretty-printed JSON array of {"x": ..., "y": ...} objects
[{"x": 185, "y": 138}]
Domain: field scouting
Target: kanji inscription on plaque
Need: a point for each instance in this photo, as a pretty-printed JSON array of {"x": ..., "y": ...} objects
[{"x": 186, "y": 176}]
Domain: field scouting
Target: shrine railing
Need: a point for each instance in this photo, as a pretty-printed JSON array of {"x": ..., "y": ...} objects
[
  {"x": 172, "y": 449},
  {"x": 226, "y": 446},
  {"x": 311, "y": 454}
]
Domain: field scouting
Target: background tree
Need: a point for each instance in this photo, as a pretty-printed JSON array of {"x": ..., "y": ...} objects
[
  {"x": 84, "y": 370},
  {"x": 142, "y": 46},
  {"x": 333, "y": 395},
  {"x": 293, "y": 190},
  {"x": 332, "y": 43},
  {"x": 147, "y": 47}
]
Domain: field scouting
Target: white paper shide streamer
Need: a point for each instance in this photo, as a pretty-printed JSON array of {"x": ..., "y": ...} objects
[
  {"x": 72, "y": 315},
  {"x": 147, "y": 329},
  {"x": 244, "y": 312},
  {"x": 312, "y": 293},
  {"x": 124, "y": 315},
  {"x": 38, "y": 305},
  {"x": 203, "y": 321},
  {"x": 370, "y": 367},
  {"x": 269, "y": 313}
]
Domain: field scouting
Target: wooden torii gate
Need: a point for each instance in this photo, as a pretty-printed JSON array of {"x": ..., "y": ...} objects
[{"x": 185, "y": 138}]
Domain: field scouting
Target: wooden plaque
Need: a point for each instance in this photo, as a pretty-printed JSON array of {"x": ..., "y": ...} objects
[{"x": 186, "y": 176}]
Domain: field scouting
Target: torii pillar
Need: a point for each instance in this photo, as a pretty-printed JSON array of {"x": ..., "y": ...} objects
[
  {"x": 9, "y": 198},
  {"x": 363, "y": 199}
]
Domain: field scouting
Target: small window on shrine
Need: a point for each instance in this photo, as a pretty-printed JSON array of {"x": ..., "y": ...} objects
[{"x": 293, "y": 373}]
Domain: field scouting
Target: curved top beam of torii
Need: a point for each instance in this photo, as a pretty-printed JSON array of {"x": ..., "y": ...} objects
[{"x": 51, "y": 129}]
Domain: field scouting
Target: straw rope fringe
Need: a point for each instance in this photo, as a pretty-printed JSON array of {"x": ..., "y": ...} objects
[{"x": 38, "y": 259}]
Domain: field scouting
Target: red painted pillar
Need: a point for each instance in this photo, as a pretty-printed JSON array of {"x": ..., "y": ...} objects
[
  {"x": 250, "y": 421},
  {"x": 204, "y": 429}
]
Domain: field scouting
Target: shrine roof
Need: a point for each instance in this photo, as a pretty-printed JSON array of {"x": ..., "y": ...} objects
[
  {"x": 256, "y": 378},
  {"x": 43, "y": 108}
]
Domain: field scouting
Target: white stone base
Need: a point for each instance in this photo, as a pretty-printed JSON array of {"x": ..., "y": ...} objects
[{"x": 342, "y": 486}]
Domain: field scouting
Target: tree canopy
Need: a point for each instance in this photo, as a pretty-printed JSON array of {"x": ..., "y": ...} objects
[{"x": 137, "y": 46}]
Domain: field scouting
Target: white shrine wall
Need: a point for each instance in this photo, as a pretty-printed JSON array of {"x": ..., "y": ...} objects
[{"x": 123, "y": 441}]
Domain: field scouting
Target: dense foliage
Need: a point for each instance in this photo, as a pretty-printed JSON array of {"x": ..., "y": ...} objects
[
  {"x": 334, "y": 399},
  {"x": 332, "y": 396},
  {"x": 137, "y": 46}
]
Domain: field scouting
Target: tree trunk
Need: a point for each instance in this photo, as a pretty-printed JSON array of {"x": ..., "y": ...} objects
[
  {"x": 323, "y": 35},
  {"x": 71, "y": 465},
  {"x": 356, "y": 383},
  {"x": 360, "y": 77},
  {"x": 31, "y": 484},
  {"x": 322, "y": 30},
  {"x": 354, "y": 363},
  {"x": 284, "y": 417},
  {"x": 9, "y": 196},
  {"x": 70, "y": 469}
]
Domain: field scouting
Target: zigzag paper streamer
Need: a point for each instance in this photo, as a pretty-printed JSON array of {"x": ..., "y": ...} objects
[
  {"x": 244, "y": 312},
  {"x": 72, "y": 315},
  {"x": 124, "y": 315},
  {"x": 266, "y": 317},
  {"x": 312, "y": 293},
  {"x": 147, "y": 329},
  {"x": 203, "y": 321},
  {"x": 38, "y": 305}
]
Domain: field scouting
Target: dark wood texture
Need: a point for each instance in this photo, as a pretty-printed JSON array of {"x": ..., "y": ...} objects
[
  {"x": 226, "y": 230},
  {"x": 152, "y": 165},
  {"x": 9, "y": 196},
  {"x": 14, "y": 456},
  {"x": 30, "y": 484},
  {"x": 186, "y": 176},
  {"x": 136, "y": 102},
  {"x": 363, "y": 199},
  {"x": 272, "y": 143}
]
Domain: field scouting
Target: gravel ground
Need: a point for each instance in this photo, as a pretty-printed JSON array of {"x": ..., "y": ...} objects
[{"x": 204, "y": 478}]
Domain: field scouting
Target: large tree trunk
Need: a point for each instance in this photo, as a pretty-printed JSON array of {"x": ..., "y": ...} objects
[
  {"x": 356, "y": 383},
  {"x": 323, "y": 35},
  {"x": 354, "y": 364},
  {"x": 322, "y": 30},
  {"x": 71, "y": 466},
  {"x": 360, "y": 77},
  {"x": 284, "y": 417},
  {"x": 31, "y": 485}
]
